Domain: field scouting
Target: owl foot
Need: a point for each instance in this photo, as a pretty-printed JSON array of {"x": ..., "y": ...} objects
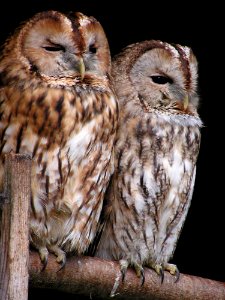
[
  {"x": 140, "y": 272},
  {"x": 123, "y": 267},
  {"x": 168, "y": 267},
  {"x": 124, "y": 264},
  {"x": 173, "y": 270},
  {"x": 43, "y": 253},
  {"x": 60, "y": 255},
  {"x": 159, "y": 270}
]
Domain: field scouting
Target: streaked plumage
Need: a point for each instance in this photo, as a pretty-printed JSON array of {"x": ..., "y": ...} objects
[
  {"x": 57, "y": 104},
  {"x": 156, "y": 150}
]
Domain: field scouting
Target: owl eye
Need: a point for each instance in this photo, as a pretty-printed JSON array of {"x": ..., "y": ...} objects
[
  {"x": 54, "y": 48},
  {"x": 92, "y": 48},
  {"x": 161, "y": 79}
]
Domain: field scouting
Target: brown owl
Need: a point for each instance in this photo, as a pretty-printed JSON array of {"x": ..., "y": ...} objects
[
  {"x": 57, "y": 105},
  {"x": 156, "y": 150}
]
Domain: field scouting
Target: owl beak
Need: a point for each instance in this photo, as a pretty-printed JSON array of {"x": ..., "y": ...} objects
[
  {"x": 81, "y": 68},
  {"x": 186, "y": 102}
]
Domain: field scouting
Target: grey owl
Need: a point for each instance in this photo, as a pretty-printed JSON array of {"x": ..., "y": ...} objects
[
  {"x": 57, "y": 105},
  {"x": 156, "y": 150}
]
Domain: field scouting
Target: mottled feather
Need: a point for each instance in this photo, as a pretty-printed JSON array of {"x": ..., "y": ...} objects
[
  {"x": 156, "y": 150},
  {"x": 57, "y": 105}
]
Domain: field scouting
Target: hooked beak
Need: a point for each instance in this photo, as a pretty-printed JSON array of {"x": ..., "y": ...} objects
[
  {"x": 81, "y": 68},
  {"x": 186, "y": 102}
]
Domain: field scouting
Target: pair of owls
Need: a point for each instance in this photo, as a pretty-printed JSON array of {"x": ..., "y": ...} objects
[{"x": 58, "y": 103}]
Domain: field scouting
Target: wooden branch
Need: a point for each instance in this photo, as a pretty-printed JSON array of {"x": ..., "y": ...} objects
[
  {"x": 14, "y": 243},
  {"x": 94, "y": 277},
  {"x": 82, "y": 275}
]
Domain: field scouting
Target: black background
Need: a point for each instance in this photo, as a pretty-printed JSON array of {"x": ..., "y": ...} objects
[{"x": 200, "y": 250}]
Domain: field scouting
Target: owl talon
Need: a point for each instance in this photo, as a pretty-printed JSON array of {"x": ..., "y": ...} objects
[
  {"x": 177, "y": 276},
  {"x": 162, "y": 275},
  {"x": 60, "y": 255},
  {"x": 142, "y": 276},
  {"x": 61, "y": 267},
  {"x": 62, "y": 261},
  {"x": 138, "y": 269},
  {"x": 123, "y": 268},
  {"x": 44, "y": 264},
  {"x": 123, "y": 271},
  {"x": 160, "y": 271},
  {"x": 140, "y": 272},
  {"x": 173, "y": 271},
  {"x": 43, "y": 253}
]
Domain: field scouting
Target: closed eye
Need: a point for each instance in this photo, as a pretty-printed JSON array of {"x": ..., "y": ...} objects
[
  {"x": 159, "y": 79},
  {"x": 54, "y": 48}
]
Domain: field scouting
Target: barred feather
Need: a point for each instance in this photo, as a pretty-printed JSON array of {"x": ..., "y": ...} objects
[
  {"x": 156, "y": 150},
  {"x": 65, "y": 122}
]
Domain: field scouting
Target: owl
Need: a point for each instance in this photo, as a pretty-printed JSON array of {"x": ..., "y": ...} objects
[
  {"x": 156, "y": 150},
  {"x": 57, "y": 105}
]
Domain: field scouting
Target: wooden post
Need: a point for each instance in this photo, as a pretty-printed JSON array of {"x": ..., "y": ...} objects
[{"x": 14, "y": 243}]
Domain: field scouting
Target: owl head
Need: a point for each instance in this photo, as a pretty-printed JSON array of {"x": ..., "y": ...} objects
[
  {"x": 159, "y": 76},
  {"x": 58, "y": 46}
]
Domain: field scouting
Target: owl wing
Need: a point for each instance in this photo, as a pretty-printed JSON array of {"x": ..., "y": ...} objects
[{"x": 3, "y": 127}]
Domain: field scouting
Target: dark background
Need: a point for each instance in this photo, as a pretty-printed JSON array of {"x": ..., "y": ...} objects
[{"x": 200, "y": 250}]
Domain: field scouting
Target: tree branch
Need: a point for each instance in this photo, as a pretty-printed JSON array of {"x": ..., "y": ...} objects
[{"x": 95, "y": 278}]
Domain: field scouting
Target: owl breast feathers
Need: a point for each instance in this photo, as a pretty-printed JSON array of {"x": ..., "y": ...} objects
[
  {"x": 156, "y": 149},
  {"x": 57, "y": 105}
]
